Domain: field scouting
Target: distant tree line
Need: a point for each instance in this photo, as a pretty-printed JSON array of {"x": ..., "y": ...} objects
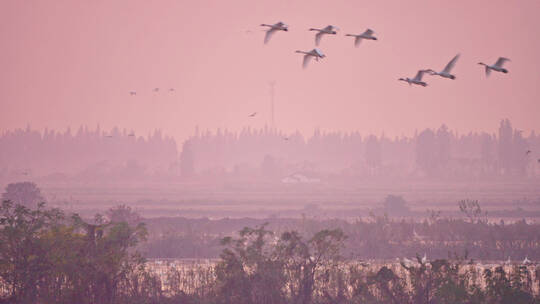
[
  {"x": 439, "y": 153},
  {"x": 90, "y": 155},
  {"x": 267, "y": 155}
]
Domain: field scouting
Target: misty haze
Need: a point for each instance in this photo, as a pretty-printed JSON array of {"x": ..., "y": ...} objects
[{"x": 288, "y": 152}]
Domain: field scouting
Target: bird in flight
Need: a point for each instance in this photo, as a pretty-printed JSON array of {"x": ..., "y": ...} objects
[
  {"x": 285, "y": 138},
  {"x": 528, "y": 152},
  {"x": 252, "y": 114},
  {"x": 416, "y": 80},
  {"x": 497, "y": 67},
  {"x": 315, "y": 53},
  {"x": 156, "y": 89},
  {"x": 328, "y": 30},
  {"x": 131, "y": 134},
  {"x": 132, "y": 93},
  {"x": 368, "y": 34},
  {"x": 171, "y": 90},
  {"x": 446, "y": 72},
  {"x": 280, "y": 26}
]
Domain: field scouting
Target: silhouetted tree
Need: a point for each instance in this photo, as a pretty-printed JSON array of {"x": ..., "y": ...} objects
[{"x": 23, "y": 193}]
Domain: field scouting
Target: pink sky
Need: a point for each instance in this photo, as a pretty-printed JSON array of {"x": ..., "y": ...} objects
[{"x": 66, "y": 63}]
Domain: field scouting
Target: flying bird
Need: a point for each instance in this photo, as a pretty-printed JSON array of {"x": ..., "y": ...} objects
[
  {"x": 171, "y": 90},
  {"x": 416, "y": 80},
  {"x": 315, "y": 53},
  {"x": 280, "y": 26},
  {"x": 368, "y": 34},
  {"x": 497, "y": 67},
  {"x": 328, "y": 30},
  {"x": 252, "y": 114},
  {"x": 528, "y": 152},
  {"x": 156, "y": 89},
  {"x": 132, "y": 93},
  {"x": 131, "y": 134},
  {"x": 285, "y": 138},
  {"x": 446, "y": 72}
]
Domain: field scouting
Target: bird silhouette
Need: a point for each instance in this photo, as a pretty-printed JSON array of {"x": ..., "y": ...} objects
[
  {"x": 368, "y": 34},
  {"x": 252, "y": 114},
  {"x": 280, "y": 26},
  {"x": 328, "y": 30},
  {"x": 315, "y": 53},
  {"x": 132, "y": 93},
  {"x": 156, "y": 89},
  {"x": 497, "y": 67},
  {"x": 446, "y": 71},
  {"x": 416, "y": 80}
]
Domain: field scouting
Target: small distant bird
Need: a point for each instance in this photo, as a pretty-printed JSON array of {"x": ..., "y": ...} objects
[
  {"x": 424, "y": 259},
  {"x": 315, "y": 53},
  {"x": 417, "y": 237},
  {"x": 280, "y": 26},
  {"x": 132, "y": 93},
  {"x": 497, "y": 67},
  {"x": 285, "y": 138},
  {"x": 416, "y": 80},
  {"x": 252, "y": 114},
  {"x": 24, "y": 173},
  {"x": 446, "y": 72},
  {"x": 156, "y": 89},
  {"x": 171, "y": 90},
  {"x": 131, "y": 134},
  {"x": 539, "y": 160},
  {"x": 328, "y": 30},
  {"x": 368, "y": 34},
  {"x": 528, "y": 152}
]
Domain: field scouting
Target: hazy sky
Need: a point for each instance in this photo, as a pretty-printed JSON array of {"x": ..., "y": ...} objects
[{"x": 66, "y": 63}]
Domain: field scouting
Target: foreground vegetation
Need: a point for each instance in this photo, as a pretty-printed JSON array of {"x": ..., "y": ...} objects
[{"x": 48, "y": 257}]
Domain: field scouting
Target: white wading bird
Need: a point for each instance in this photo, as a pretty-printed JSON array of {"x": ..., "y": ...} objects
[
  {"x": 416, "y": 80},
  {"x": 497, "y": 67},
  {"x": 280, "y": 26},
  {"x": 316, "y": 53},
  {"x": 330, "y": 30},
  {"x": 368, "y": 34},
  {"x": 446, "y": 72}
]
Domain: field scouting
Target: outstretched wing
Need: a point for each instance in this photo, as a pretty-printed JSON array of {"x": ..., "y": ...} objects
[
  {"x": 488, "y": 71},
  {"x": 419, "y": 75},
  {"x": 269, "y": 34},
  {"x": 368, "y": 32},
  {"x": 328, "y": 28},
  {"x": 357, "y": 41},
  {"x": 451, "y": 64},
  {"x": 318, "y": 38},
  {"x": 501, "y": 61},
  {"x": 305, "y": 62}
]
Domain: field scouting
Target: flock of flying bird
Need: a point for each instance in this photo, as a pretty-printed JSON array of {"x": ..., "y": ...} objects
[{"x": 368, "y": 35}]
